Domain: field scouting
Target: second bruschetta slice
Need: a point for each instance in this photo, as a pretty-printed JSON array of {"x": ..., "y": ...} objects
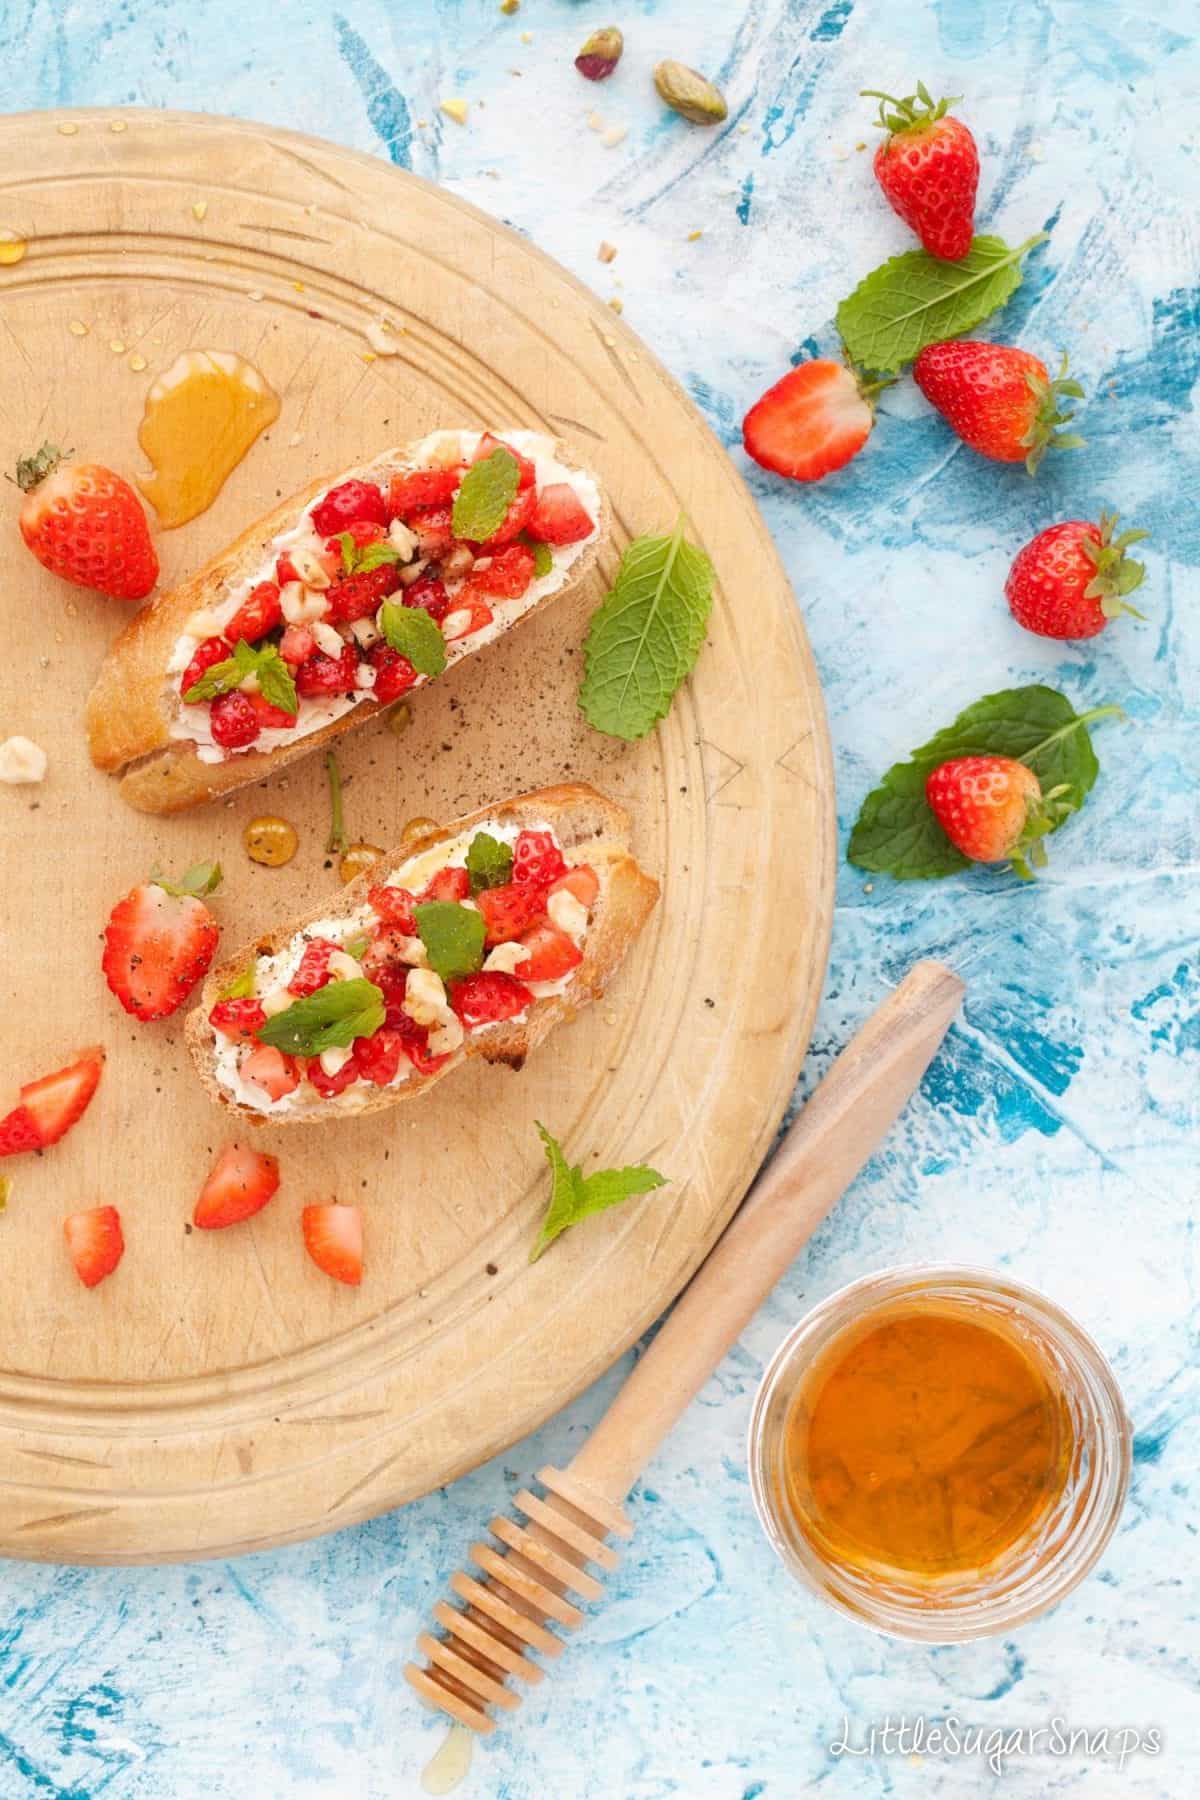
[
  {"x": 476, "y": 939},
  {"x": 346, "y": 597}
]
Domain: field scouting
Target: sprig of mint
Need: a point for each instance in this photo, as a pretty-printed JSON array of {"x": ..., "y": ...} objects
[
  {"x": 897, "y": 834},
  {"x": 242, "y": 986},
  {"x": 646, "y": 635},
  {"x": 416, "y": 634},
  {"x": 489, "y": 862},
  {"x": 195, "y": 883},
  {"x": 360, "y": 559},
  {"x": 274, "y": 677},
  {"x": 330, "y": 1019},
  {"x": 453, "y": 937},
  {"x": 915, "y": 299},
  {"x": 574, "y": 1196},
  {"x": 485, "y": 494}
]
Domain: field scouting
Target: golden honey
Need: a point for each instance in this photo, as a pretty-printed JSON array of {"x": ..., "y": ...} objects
[{"x": 202, "y": 415}]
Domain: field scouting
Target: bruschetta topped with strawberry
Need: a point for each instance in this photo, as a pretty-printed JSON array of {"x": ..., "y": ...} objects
[
  {"x": 342, "y": 601},
  {"x": 475, "y": 940}
]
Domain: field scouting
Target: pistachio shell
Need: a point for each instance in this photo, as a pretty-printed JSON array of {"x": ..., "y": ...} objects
[{"x": 688, "y": 93}]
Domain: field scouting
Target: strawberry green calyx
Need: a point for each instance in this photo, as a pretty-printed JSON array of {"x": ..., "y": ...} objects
[
  {"x": 33, "y": 470},
  {"x": 1116, "y": 574},
  {"x": 913, "y": 113},
  {"x": 200, "y": 880},
  {"x": 1044, "y": 814},
  {"x": 1043, "y": 433}
]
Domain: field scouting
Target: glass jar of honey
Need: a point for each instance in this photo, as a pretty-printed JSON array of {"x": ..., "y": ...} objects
[{"x": 940, "y": 1452}]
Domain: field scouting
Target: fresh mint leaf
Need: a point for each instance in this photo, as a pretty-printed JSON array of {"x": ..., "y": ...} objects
[
  {"x": 360, "y": 559},
  {"x": 646, "y": 635},
  {"x": 489, "y": 862},
  {"x": 274, "y": 677},
  {"x": 275, "y": 682},
  {"x": 415, "y": 634},
  {"x": 897, "y": 834},
  {"x": 574, "y": 1196},
  {"x": 357, "y": 946},
  {"x": 915, "y": 299},
  {"x": 485, "y": 494},
  {"x": 543, "y": 557},
  {"x": 453, "y": 937},
  {"x": 330, "y": 1019},
  {"x": 242, "y": 986}
]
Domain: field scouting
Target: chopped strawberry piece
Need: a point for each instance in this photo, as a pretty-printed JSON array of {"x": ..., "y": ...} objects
[
  {"x": 345, "y": 504},
  {"x": 51, "y": 1105},
  {"x": 241, "y": 1183},
  {"x": 271, "y": 718},
  {"x": 333, "y": 1237},
  {"x": 313, "y": 969},
  {"x": 509, "y": 910},
  {"x": 415, "y": 1039},
  {"x": 430, "y": 594},
  {"x": 511, "y": 571},
  {"x": 239, "y": 1018},
  {"x": 322, "y": 674},
  {"x": 378, "y": 1057},
  {"x": 269, "y": 1069},
  {"x": 422, "y": 487},
  {"x": 233, "y": 720},
  {"x": 394, "y": 674},
  {"x": 515, "y": 519},
  {"x": 560, "y": 517},
  {"x": 433, "y": 527},
  {"x": 259, "y": 613},
  {"x": 383, "y": 963},
  {"x": 537, "y": 859},
  {"x": 394, "y": 906},
  {"x": 582, "y": 881},
  {"x": 486, "y": 998},
  {"x": 95, "y": 1242},
  {"x": 157, "y": 946},
  {"x": 360, "y": 596},
  {"x": 211, "y": 650},
  {"x": 297, "y": 645},
  {"x": 551, "y": 953},
  {"x": 286, "y": 570},
  {"x": 469, "y": 614},
  {"x": 329, "y": 1085},
  {"x": 527, "y": 473},
  {"x": 448, "y": 884},
  {"x": 362, "y": 531}
]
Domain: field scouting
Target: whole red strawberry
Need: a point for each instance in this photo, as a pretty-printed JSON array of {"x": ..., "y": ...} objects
[
  {"x": 86, "y": 525},
  {"x": 159, "y": 942},
  {"x": 928, "y": 169},
  {"x": 1071, "y": 579},
  {"x": 998, "y": 399},
  {"x": 992, "y": 809}
]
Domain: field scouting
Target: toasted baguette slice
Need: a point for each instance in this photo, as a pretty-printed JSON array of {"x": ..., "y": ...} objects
[
  {"x": 131, "y": 707},
  {"x": 586, "y": 823}
]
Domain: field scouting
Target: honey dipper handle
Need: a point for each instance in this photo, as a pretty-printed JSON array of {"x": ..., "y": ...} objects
[{"x": 845, "y": 1118}]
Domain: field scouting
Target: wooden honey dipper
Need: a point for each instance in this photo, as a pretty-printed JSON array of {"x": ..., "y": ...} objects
[{"x": 525, "y": 1579}]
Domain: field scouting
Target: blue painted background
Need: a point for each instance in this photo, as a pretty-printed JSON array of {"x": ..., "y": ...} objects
[{"x": 1056, "y": 1136}]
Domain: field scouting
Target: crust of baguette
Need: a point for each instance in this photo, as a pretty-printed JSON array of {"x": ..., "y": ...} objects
[
  {"x": 586, "y": 821},
  {"x": 127, "y": 721}
]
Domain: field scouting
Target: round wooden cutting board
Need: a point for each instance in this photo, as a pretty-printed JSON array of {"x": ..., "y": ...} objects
[{"x": 218, "y": 1393}]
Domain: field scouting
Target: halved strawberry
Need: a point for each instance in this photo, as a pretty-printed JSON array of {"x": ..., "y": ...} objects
[
  {"x": 333, "y": 1237},
  {"x": 537, "y": 859},
  {"x": 259, "y": 613},
  {"x": 526, "y": 471},
  {"x": 488, "y": 997},
  {"x": 241, "y": 1183},
  {"x": 560, "y": 516},
  {"x": 509, "y": 910},
  {"x": 238, "y": 1019},
  {"x": 811, "y": 422},
  {"x": 448, "y": 884},
  {"x": 211, "y": 650},
  {"x": 422, "y": 487},
  {"x": 159, "y": 942},
  {"x": 51, "y": 1105},
  {"x": 312, "y": 971},
  {"x": 582, "y": 881},
  {"x": 551, "y": 953},
  {"x": 269, "y": 1069},
  {"x": 95, "y": 1241}
]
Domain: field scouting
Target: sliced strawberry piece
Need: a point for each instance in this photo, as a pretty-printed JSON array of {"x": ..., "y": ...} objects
[
  {"x": 560, "y": 516},
  {"x": 433, "y": 527},
  {"x": 469, "y": 613},
  {"x": 811, "y": 422},
  {"x": 486, "y": 998},
  {"x": 157, "y": 946},
  {"x": 259, "y": 613},
  {"x": 286, "y": 570},
  {"x": 448, "y": 884},
  {"x": 313, "y": 969},
  {"x": 96, "y": 1243},
  {"x": 333, "y": 1237},
  {"x": 269, "y": 1069},
  {"x": 233, "y": 720},
  {"x": 360, "y": 596},
  {"x": 422, "y": 487},
  {"x": 415, "y": 1039},
  {"x": 51, "y": 1105},
  {"x": 362, "y": 532},
  {"x": 383, "y": 964},
  {"x": 322, "y": 675},
  {"x": 241, "y": 1183},
  {"x": 515, "y": 519},
  {"x": 582, "y": 881},
  {"x": 297, "y": 645},
  {"x": 527, "y": 473},
  {"x": 509, "y": 910},
  {"x": 347, "y": 503},
  {"x": 211, "y": 650},
  {"x": 537, "y": 859},
  {"x": 551, "y": 953},
  {"x": 394, "y": 674},
  {"x": 509, "y": 574},
  {"x": 239, "y": 1019},
  {"x": 271, "y": 718},
  {"x": 430, "y": 594},
  {"x": 378, "y": 1057},
  {"x": 394, "y": 905},
  {"x": 329, "y": 1085}
]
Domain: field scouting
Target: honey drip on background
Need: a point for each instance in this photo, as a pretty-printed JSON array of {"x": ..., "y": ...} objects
[
  {"x": 202, "y": 415},
  {"x": 450, "y": 1763},
  {"x": 927, "y": 1442}
]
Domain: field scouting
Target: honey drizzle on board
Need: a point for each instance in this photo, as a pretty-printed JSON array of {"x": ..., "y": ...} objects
[
  {"x": 450, "y": 1762},
  {"x": 926, "y": 1441},
  {"x": 202, "y": 415}
]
